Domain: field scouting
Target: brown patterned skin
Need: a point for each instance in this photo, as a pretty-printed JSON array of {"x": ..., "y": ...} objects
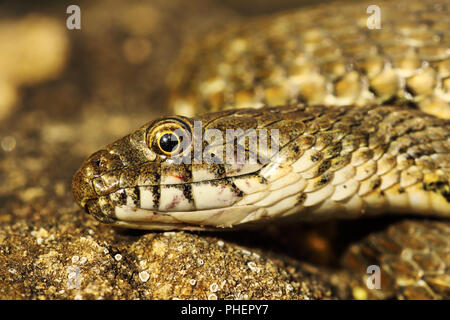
[
  {"x": 413, "y": 256},
  {"x": 322, "y": 55},
  {"x": 342, "y": 155}
]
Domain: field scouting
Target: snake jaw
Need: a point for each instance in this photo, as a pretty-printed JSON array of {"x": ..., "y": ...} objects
[
  {"x": 164, "y": 226},
  {"x": 200, "y": 219}
]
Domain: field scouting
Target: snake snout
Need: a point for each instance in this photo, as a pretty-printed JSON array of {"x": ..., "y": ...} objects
[
  {"x": 82, "y": 187},
  {"x": 94, "y": 178}
]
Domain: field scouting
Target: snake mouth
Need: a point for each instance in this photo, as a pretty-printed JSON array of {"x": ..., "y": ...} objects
[
  {"x": 187, "y": 206},
  {"x": 208, "y": 219},
  {"x": 163, "y": 226}
]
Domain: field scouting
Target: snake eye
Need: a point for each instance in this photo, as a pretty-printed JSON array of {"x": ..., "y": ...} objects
[
  {"x": 169, "y": 137},
  {"x": 169, "y": 142}
]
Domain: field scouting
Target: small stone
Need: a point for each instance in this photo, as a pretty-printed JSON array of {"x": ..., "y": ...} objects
[
  {"x": 253, "y": 267},
  {"x": 118, "y": 257},
  {"x": 144, "y": 276},
  {"x": 214, "y": 287}
]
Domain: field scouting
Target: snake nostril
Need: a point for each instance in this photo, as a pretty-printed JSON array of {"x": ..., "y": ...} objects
[
  {"x": 100, "y": 162},
  {"x": 103, "y": 161}
]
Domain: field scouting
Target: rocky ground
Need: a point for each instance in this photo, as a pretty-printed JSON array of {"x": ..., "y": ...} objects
[{"x": 64, "y": 94}]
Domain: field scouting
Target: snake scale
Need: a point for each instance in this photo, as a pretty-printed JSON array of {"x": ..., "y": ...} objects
[{"x": 362, "y": 124}]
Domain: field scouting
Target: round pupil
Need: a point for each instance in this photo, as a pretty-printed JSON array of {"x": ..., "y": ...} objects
[{"x": 168, "y": 142}]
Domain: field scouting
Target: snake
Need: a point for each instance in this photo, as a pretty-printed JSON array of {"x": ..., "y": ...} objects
[{"x": 356, "y": 99}]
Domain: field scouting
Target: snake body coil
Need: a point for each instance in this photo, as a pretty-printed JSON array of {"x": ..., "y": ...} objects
[{"x": 351, "y": 140}]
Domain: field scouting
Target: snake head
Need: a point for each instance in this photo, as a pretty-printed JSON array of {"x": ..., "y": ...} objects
[
  {"x": 151, "y": 179},
  {"x": 189, "y": 173},
  {"x": 112, "y": 177}
]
